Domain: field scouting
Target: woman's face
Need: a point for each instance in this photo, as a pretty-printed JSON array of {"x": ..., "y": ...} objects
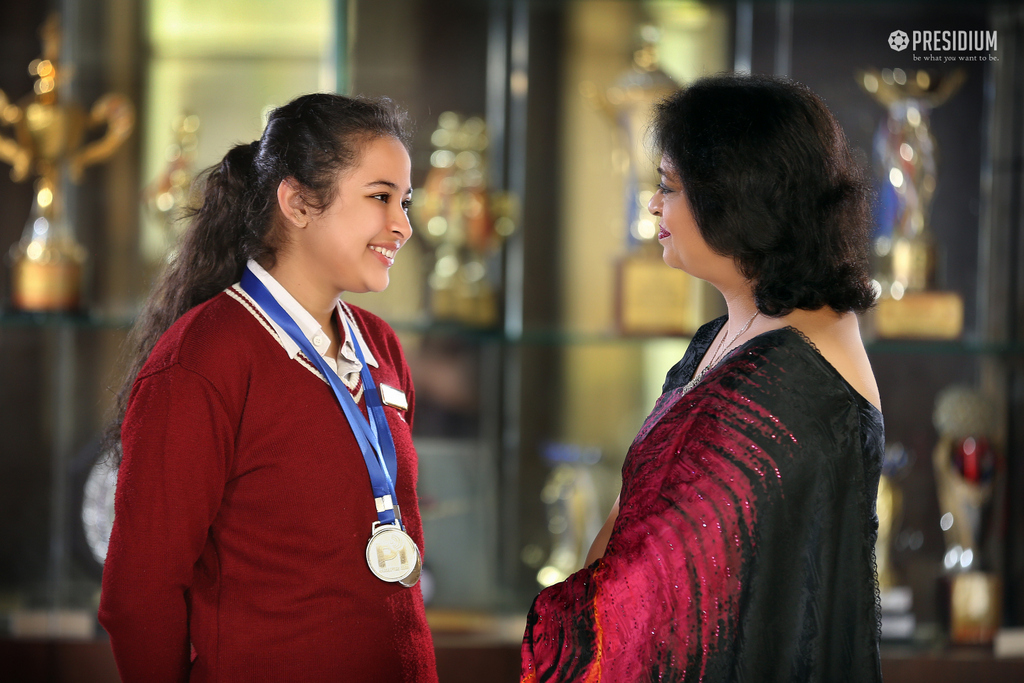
[
  {"x": 353, "y": 242},
  {"x": 679, "y": 235}
]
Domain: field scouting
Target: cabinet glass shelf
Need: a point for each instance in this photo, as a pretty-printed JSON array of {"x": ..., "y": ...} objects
[
  {"x": 85, "y": 319},
  {"x": 533, "y": 336}
]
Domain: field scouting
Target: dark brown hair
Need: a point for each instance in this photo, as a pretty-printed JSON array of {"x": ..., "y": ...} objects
[
  {"x": 312, "y": 139},
  {"x": 772, "y": 183}
]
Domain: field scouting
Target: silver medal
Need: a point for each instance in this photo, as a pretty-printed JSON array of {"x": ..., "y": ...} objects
[{"x": 392, "y": 555}]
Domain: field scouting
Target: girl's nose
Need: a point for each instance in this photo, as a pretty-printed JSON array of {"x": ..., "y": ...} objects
[{"x": 401, "y": 226}]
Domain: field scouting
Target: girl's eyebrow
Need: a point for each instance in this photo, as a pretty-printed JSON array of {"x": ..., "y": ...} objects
[{"x": 386, "y": 183}]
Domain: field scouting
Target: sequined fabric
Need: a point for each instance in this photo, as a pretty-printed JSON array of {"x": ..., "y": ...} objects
[{"x": 743, "y": 549}]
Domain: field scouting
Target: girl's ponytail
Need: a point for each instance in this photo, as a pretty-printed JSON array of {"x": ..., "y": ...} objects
[
  {"x": 209, "y": 259},
  {"x": 211, "y": 255}
]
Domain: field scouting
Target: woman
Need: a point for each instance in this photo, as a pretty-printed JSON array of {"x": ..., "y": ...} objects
[
  {"x": 266, "y": 519},
  {"x": 741, "y": 546}
]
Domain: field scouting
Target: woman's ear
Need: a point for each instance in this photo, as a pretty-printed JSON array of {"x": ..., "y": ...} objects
[{"x": 291, "y": 203}]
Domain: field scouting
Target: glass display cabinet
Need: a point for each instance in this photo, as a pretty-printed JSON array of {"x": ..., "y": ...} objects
[{"x": 530, "y": 300}]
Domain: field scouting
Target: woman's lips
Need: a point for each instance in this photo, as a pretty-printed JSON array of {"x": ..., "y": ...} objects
[{"x": 662, "y": 232}]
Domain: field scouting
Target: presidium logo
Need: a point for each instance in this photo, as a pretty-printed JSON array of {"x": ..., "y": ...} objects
[
  {"x": 961, "y": 43},
  {"x": 898, "y": 41}
]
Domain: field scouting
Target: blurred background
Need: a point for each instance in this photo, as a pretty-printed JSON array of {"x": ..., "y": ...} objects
[{"x": 532, "y": 303}]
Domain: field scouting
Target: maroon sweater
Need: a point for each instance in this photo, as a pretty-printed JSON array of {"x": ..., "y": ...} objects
[{"x": 243, "y": 510}]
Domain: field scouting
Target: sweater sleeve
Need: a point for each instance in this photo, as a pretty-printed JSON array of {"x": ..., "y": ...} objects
[{"x": 177, "y": 442}]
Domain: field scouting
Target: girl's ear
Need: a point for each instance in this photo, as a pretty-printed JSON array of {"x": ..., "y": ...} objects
[{"x": 291, "y": 203}]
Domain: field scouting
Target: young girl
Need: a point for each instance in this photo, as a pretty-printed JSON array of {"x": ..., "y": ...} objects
[{"x": 266, "y": 518}]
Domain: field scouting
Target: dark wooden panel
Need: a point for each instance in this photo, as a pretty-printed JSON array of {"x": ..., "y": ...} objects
[
  {"x": 38, "y": 661},
  {"x": 951, "y": 667},
  {"x": 492, "y": 663},
  {"x": 41, "y": 661}
]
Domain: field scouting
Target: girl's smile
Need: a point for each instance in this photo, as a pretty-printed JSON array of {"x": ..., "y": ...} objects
[{"x": 386, "y": 253}]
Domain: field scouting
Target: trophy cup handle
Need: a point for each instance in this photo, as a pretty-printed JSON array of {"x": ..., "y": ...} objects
[
  {"x": 11, "y": 152},
  {"x": 119, "y": 116}
]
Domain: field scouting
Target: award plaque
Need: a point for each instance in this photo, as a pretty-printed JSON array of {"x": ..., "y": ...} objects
[
  {"x": 975, "y": 607},
  {"x": 920, "y": 315},
  {"x": 656, "y": 299}
]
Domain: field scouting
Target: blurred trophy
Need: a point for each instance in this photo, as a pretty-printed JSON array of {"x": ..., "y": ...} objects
[
  {"x": 464, "y": 222},
  {"x": 896, "y": 601},
  {"x": 167, "y": 197},
  {"x": 49, "y": 137},
  {"x": 651, "y": 298},
  {"x": 905, "y": 152},
  {"x": 570, "y": 497},
  {"x": 968, "y": 475}
]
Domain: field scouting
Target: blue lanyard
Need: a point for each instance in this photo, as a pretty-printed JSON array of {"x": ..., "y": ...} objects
[{"x": 373, "y": 436}]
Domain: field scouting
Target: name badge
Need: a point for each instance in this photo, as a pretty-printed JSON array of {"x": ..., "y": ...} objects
[{"x": 390, "y": 396}]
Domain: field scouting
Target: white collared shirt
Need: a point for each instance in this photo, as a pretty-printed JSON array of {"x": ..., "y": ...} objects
[{"x": 346, "y": 364}]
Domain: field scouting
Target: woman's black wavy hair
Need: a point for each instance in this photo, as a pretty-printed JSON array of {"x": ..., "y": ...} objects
[{"x": 772, "y": 183}]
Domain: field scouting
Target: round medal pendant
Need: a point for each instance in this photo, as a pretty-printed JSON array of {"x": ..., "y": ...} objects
[{"x": 393, "y": 556}]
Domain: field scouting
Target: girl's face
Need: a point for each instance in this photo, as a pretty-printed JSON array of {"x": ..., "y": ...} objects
[
  {"x": 679, "y": 235},
  {"x": 351, "y": 244}
]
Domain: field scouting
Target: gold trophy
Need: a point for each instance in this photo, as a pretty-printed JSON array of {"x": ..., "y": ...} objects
[
  {"x": 571, "y": 499},
  {"x": 651, "y": 297},
  {"x": 464, "y": 222},
  {"x": 905, "y": 249},
  {"x": 48, "y": 136},
  {"x": 968, "y": 474},
  {"x": 167, "y": 197},
  {"x": 896, "y": 601}
]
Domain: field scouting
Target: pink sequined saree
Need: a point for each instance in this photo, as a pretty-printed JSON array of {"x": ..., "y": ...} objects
[{"x": 743, "y": 548}]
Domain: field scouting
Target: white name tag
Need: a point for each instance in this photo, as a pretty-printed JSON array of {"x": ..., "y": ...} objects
[{"x": 390, "y": 396}]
